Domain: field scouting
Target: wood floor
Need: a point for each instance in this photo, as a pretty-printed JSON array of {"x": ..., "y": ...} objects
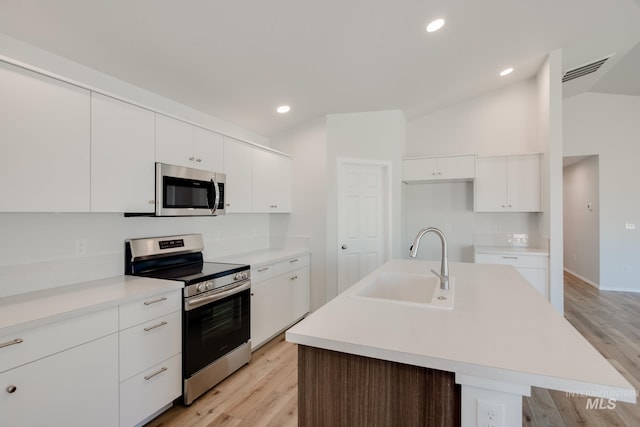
[{"x": 264, "y": 393}]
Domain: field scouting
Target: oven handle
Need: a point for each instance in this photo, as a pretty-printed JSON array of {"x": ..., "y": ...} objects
[{"x": 192, "y": 303}]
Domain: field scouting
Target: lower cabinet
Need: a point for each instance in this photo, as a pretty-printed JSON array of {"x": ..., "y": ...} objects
[
  {"x": 533, "y": 267},
  {"x": 76, "y": 387},
  {"x": 279, "y": 297}
]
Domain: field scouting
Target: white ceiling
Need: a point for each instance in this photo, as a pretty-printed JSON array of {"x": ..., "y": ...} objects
[{"x": 239, "y": 59}]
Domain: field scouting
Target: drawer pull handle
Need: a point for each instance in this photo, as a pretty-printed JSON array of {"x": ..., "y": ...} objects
[
  {"x": 155, "y": 326},
  {"x": 510, "y": 257},
  {"x": 11, "y": 389},
  {"x": 161, "y": 370},
  {"x": 294, "y": 278},
  {"x": 260, "y": 270},
  {"x": 294, "y": 260},
  {"x": 155, "y": 301},
  {"x": 13, "y": 342}
]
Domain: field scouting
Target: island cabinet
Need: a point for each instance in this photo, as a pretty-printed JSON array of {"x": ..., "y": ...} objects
[
  {"x": 340, "y": 389},
  {"x": 434, "y": 169},
  {"x": 61, "y": 374},
  {"x": 508, "y": 184},
  {"x": 45, "y": 148},
  {"x": 183, "y": 144},
  {"x": 122, "y": 156},
  {"x": 279, "y": 297}
]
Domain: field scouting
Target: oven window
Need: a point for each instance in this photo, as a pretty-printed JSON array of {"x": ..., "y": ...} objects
[
  {"x": 187, "y": 193},
  {"x": 213, "y": 330}
]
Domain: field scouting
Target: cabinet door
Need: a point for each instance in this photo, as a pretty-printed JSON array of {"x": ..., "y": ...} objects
[
  {"x": 45, "y": 145},
  {"x": 237, "y": 167},
  {"x": 263, "y": 312},
  {"x": 491, "y": 184},
  {"x": 271, "y": 182},
  {"x": 457, "y": 167},
  {"x": 537, "y": 277},
  {"x": 77, "y": 387},
  {"x": 208, "y": 150},
  {"x": 300, "y": 288},
  {"x": 122, "y": 156},
  {"x": 174, "y": 141},
  {"x": 416, "y": 170},
  {"x": 523, "y": 183}
]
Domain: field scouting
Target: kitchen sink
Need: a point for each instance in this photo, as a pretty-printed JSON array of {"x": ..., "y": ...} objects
[{"x": 407, "y": 288}]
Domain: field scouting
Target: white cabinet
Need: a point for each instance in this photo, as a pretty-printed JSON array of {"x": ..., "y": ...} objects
[
  {"x": 508, "y": 184},
  {"x": 279, "y": 297},
  {"x": 64, "y": 373},
  {"x": 150, "y": 356},
  {"x": 237, "y": 167},
  {"x": 122, "y": 156},
  {"x": 271, "y": 181},
  {"x": 433, "y": 169},
  {"x": 532, "y": 266},
  {"x": 183, "y": 144},
  {"x": 45, "y": 145}
]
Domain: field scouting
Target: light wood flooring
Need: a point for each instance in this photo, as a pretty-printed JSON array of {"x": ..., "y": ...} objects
[{"x": 264, "y": 393}]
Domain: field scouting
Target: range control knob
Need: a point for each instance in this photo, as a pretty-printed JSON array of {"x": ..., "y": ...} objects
[
  {"x": 209, "y": 285},
  {"x": 241, "y": 276},
  {"x": 201, "y": 287}
]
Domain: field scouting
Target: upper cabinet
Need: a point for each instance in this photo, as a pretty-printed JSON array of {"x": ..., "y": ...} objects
[
  {"x": 122, "y": 156},
  {"x": 183, "y": 144},
  {"x": 45, "y": 148},
  {"x": 433, "y": 169},
  {"x": 508, "y": 184},
  {"x": 271, "y": 181},
  {"x": 237, "y": 167}
]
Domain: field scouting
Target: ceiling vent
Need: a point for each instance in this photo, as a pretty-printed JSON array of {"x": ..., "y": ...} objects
[{"x": 584, "y": 69}]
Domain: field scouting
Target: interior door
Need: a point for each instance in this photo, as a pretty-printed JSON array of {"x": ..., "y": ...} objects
[{"x": 361, "y": 225}]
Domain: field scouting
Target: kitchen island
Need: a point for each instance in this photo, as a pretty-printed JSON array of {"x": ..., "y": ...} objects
[{"x": 500, "y": 338}]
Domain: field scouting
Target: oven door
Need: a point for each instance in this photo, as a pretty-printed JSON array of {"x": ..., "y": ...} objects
[
  {"x": 184, "y": 191},
  {"x": 213, "y": 327}
]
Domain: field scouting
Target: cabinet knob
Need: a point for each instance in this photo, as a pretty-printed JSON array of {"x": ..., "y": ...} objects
[
  {"x": 509, "y": 205},
  {"x": 228, "y": 204},
  {"x": 502, "y": 206},
  {"x": 198, "y": 160},
  {"x": 344, "y": 247},
  {"x": 151, "y": 202},
  {"x": 433, "y": 173},
  {"x": 439, "y": 173},
  {"x": 191, "y": 159},
  {"x": 11, "y": 389}
]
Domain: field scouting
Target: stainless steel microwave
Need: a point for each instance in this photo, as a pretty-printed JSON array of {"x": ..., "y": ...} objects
[{"x": 182, "y": 191}]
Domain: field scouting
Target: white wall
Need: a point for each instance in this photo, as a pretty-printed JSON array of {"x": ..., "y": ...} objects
[
  {"x": 308, "y": 146},
  {"x": 37, "y": 251},
  {"x": 377, "y": 135},
  {"x": 497, "y": 123},
  {"x": 581, "y": 222},
  {"x": 609, "y": 126}
]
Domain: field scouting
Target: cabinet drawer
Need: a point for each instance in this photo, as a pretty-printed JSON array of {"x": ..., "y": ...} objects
[
  {"x": 149, "y": 308},
  {"x": 40, "y": 342},
  {"x": 154, "y": 388},
  {"x": 285, "y": 267},
  {"x": 261, "y": 274},
  {"x": 149, "y": 343},
  {"x": 527, "y": 261}
]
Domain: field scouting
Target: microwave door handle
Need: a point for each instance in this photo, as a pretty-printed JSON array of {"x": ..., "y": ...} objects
[{"x": 216, "y": 189}]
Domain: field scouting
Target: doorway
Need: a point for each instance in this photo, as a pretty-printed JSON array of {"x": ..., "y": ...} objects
[{"x": 363, "y": 214}]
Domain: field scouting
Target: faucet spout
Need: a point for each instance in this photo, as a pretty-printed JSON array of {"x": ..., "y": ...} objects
[{"x": 444, "y": 263}]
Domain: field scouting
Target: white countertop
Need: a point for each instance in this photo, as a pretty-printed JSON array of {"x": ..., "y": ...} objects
[
  {"x": 515, "y": 250},
  {"x": 500, "y": 329},
  {"x": 20, "y": 312},
  {"x": 264, "y": 257}
]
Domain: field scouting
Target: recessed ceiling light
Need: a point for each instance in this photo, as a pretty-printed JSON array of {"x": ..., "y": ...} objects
[
  {"x": 435, "y": 25},
  {"x": 506, "y": 72},
  {"x": 283, "y": 109}
]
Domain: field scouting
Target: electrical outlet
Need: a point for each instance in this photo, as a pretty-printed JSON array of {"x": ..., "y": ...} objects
[
  {"x": 81, "y": 247},
  {"x": 490, "y": 414}
]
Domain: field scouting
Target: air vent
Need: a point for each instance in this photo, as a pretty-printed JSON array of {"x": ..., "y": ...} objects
[{"x": 584, "y": 70}]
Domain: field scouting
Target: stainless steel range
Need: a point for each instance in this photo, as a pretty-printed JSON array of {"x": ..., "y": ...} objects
[{"x": 216, "y": 311}]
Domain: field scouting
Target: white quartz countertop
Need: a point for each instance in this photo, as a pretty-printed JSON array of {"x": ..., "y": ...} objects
[
  {"x": 500, "y": 328},
  {"x": 264, "y": 257},
  {"x": 514, "y": 250},
  {"x": 20, "y": 312}
]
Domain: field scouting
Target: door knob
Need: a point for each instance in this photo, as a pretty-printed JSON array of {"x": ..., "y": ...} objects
[
  {"x": 11, "y": 389},
  {"x": 344, "y": 247}
]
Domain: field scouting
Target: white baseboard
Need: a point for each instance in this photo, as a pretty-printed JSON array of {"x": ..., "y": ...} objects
[
  {"x": 633, "y": 290},
  {"x": 584, "y": 279}
]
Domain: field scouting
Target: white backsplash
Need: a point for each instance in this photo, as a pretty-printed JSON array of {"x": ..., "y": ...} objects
[{"x": 531, "y": 240}]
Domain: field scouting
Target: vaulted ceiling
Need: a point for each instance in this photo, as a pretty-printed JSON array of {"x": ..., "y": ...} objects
[{"x": 239, "y": 59}]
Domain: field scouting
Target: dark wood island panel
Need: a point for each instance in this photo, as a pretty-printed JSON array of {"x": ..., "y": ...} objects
[{"x": 340, "y": 389}]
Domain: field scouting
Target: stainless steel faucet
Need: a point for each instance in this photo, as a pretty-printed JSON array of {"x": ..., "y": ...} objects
[{"x": 444, "y": 265}]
